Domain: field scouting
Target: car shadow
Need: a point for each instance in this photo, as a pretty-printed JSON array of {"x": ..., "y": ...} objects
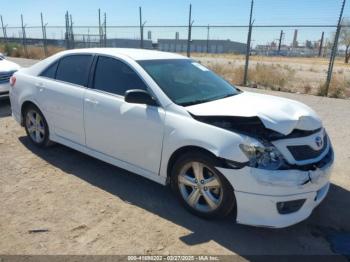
[
  {"x": 313, "y": 236},
  {"x": 5, "y": 107}
]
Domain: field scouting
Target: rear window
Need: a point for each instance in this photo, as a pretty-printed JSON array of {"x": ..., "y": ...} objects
[
  {"x": 50, "y": 72},
  {"x": 74, "y": 69}
]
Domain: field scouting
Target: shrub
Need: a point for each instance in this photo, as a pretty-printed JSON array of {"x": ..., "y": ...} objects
[
  {"x": 338, "y": 88},
  {"x": 269, "y": 76},
  {"x": 307, "y": 89},
  {"x": 34, "y": 52}
]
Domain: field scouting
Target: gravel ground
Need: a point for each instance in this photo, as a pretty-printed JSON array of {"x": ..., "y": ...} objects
[{"x": 86, "y": 206}]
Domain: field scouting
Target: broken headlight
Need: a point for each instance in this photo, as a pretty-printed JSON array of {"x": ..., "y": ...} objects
[{"x": 264, "y": 157}]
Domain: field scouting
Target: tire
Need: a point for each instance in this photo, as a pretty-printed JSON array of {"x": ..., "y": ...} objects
[
  {"x": 36, "y": 126},
  {"x": 212, "y": 196}
]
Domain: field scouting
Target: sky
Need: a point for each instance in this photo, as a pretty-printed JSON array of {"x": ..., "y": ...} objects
[{"x": 175, "y": 12}]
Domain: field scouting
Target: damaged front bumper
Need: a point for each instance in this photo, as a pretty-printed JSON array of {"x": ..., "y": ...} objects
[{"x": 259, "y": 193}]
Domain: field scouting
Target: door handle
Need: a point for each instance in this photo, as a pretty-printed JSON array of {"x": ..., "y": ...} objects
[
  {"x": 91, "y": 101},
  {"x": 40, "y": 86}
]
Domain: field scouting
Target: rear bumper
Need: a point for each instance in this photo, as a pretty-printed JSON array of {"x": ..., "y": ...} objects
[{"x": 258, "y": 192}]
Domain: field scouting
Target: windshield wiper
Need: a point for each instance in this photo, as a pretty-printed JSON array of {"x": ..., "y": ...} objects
[
  {"x": 199, "y": 101},
  {"x": 194, "y": 102}
]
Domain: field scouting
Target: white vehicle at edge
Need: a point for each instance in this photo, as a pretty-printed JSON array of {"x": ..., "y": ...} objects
[
  {"x": 266, "y": 160},
  {"x": 7, "y": 69}
]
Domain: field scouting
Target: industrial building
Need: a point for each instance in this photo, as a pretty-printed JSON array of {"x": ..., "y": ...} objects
[
  {"x": 129, "y": 43},
  {"x": 202, "y": 46}
]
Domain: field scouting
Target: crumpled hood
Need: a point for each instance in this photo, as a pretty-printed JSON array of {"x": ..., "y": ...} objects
[
  {"x": 279, "y": 114},
  {"x": 6, "y": 66}
]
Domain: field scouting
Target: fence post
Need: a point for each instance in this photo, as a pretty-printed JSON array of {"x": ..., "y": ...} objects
[
  {"x": 4, "y": 30},
  {"x": 88, "y": 38},
  {"x": 141, "y": 27},
  {"x": 67, "y": 31},
  {"x": 99, "y": 26},
  {"x": 105, "y": 30},
  {"x": 43, "y": 27},
  {"x": 176, "y": 41},
  {"x": 334, "y": 51},
  {"x": 24, "y": 38},
  {"x": 321, "y": 45},
  {"x": 71, "y": 32},
  {"x": 208, "y": 29},
  {"x": 280, "y": 42},
  {"x": 190, "y": 23},
  {"x": 248, "y": 45}
]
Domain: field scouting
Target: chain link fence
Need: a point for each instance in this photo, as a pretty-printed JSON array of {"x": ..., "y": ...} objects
[{"x": 293, "y": 58}]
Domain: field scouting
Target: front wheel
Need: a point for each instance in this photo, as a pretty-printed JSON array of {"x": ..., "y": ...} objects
[{"x": 201, "y": 187}]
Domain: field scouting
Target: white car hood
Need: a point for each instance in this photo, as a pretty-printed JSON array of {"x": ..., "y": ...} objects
[
  {"x": 6, "y": 66},
  {"x": 279, "y": 114}
]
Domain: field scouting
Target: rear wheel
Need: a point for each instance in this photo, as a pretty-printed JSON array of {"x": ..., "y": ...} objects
[
  {"x": 201, "y": 187},
  {"x": 36, "y": 126}
]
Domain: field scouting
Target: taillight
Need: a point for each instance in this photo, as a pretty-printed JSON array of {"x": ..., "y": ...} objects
[{"x": 12, "y": 80}]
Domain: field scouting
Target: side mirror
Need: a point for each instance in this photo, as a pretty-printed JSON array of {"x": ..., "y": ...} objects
[{"x": 138, "y": 96}]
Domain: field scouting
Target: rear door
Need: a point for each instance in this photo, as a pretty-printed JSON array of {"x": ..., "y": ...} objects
[
  {"x": 61, "y": 92},
  {"x": 132, "y": 133}
]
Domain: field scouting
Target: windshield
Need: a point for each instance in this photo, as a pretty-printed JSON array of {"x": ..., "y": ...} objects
[{"x": 187, "y": 82}]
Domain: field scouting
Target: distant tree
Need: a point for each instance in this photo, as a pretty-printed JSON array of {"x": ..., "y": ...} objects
[{"x": 345, "y": 39}]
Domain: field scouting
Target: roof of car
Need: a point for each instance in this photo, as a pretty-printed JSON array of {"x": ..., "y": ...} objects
[{"x": 133, "y": 53}]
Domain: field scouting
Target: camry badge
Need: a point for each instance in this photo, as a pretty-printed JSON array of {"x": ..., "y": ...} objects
[{"x": 319, "y": 141}]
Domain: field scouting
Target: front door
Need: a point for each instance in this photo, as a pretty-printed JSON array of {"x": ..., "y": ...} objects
[{"x": 131, "y": 133}]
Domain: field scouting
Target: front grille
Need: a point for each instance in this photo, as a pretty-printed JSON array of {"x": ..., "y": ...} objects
[
  {"x": 5, "y": 77},
  {"x": 305, "y": 152},
  {"x": 328, "y": 158}
]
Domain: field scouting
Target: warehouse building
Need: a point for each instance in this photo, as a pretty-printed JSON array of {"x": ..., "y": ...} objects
[{"x": 202, "y": 46}]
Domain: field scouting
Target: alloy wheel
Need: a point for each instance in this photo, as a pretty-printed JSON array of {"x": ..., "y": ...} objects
[
  {"x": 35, "y": 126},
  {"x": 200, "y": 187}
]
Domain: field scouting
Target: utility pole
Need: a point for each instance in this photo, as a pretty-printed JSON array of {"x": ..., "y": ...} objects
[
  {"x": 190, "y": 23},
  {"x": 248, "y": 45},
  {"x": 334, "y": 50},
  {"x": 43, "y": 27},
  {"x": 208, "y": 28},
  {"x": 4, "y": 30},
  {"x": 321, "y": 45},
  {"x": 280, "y": 42},
  {"x": 24, "y": 38}
]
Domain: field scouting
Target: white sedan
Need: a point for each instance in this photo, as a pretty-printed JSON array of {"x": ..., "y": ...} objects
[
  {"x": 264, "y": 160},
  {"x": 7, "y": 69}
]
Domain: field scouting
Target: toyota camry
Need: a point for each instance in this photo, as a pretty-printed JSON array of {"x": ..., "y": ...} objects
[{"x": 263, "y": 160}]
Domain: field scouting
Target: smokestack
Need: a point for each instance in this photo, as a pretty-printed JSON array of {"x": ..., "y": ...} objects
[{"x": 295, "y": 38}]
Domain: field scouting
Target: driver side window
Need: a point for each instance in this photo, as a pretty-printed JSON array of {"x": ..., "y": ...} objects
[{"x": 114, "y": 76}]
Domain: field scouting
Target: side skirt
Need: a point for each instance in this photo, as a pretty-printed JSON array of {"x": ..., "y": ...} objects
[{"x": 108, "y": 159}]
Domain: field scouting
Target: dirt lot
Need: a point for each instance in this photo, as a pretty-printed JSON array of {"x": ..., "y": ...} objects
[{"x": 90, "y": 207}]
